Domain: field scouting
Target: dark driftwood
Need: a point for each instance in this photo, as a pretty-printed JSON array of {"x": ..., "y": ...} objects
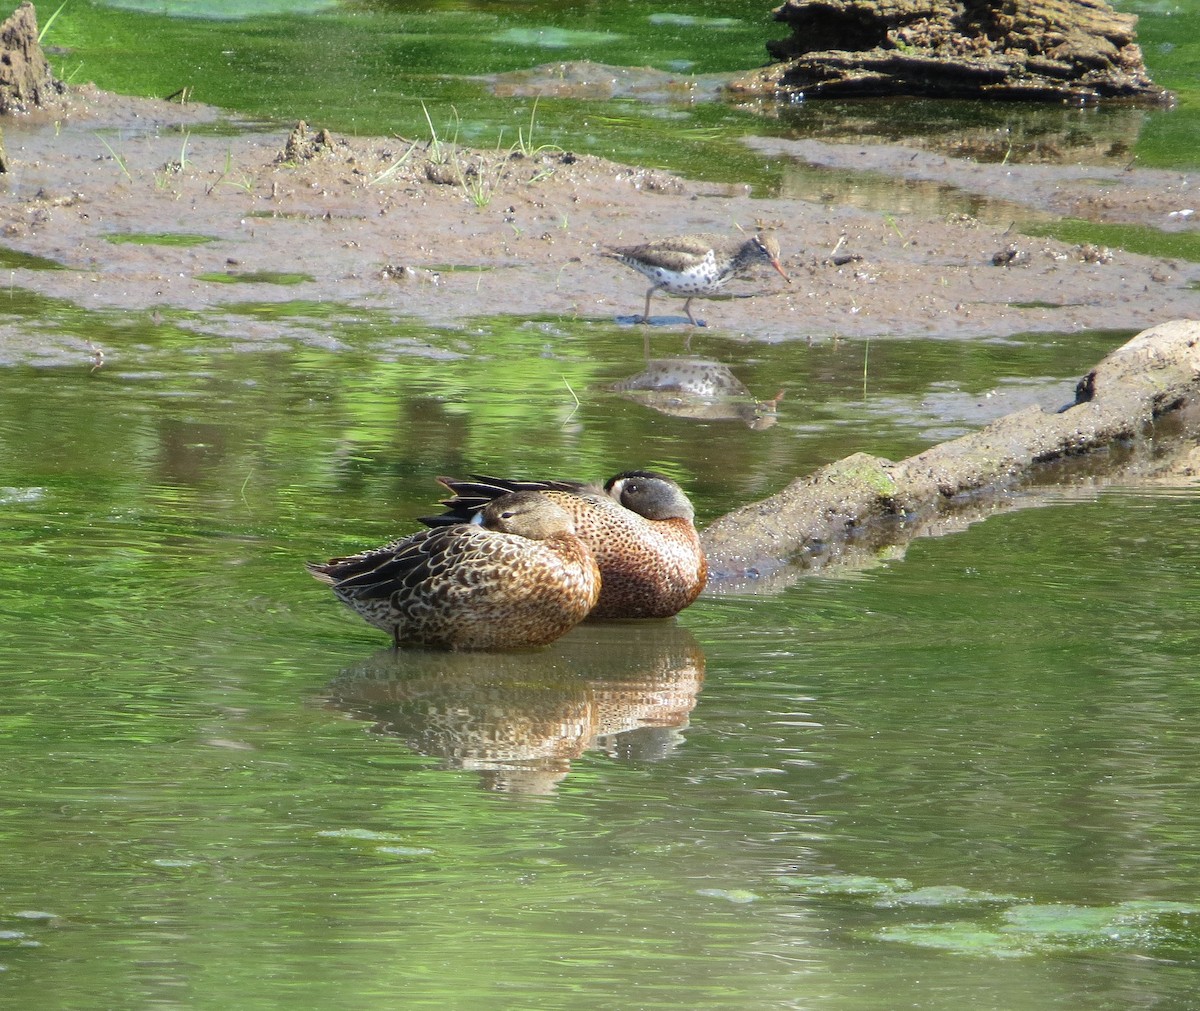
[
  {"x": 1148, "y": 387},
  {"x": 1080, "y": 50}
]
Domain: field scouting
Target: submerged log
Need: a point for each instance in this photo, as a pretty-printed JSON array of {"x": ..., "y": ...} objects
[
  {"x": 1142, "y": 402},
  {"x": 1078, "y": 50}
]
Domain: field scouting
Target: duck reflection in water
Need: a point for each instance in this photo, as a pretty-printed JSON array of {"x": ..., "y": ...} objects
[
  {"x": 700, "y": 390},
  {"x": 519, "y": 720}
]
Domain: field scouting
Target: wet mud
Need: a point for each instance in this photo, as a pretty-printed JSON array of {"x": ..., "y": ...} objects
[{"x": 419, "y": 229}]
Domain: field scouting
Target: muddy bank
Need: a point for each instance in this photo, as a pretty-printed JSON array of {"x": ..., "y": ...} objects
[{"x": 400, "y": 227}]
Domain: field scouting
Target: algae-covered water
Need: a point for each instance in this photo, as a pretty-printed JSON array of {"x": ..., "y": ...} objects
[{"x": 412, "y": 68}]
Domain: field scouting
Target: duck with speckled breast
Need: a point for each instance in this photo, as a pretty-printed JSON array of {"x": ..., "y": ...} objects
[
  {"x": 517, "y": 577},
  {"x": 639, "y": 526}
]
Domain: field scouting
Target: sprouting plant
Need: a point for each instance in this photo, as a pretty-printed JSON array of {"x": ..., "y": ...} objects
[
  {"x": 479, "y": 181},
  {"x": 50, "y": 21},
  {"x": 394, "y": 167},
  {"x": 525, "y": 145},
  {"x": 437, "y": 153},
  {"x": 244, "y": 181},
  {"x": 477, "y": 187},
  {"x": 68, "y": 78},
  {"x": 118, "y": 159}
]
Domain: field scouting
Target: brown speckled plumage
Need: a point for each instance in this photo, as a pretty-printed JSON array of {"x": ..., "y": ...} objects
[
  {"x": 696, "y": 264},
  {"x": 639, "y": 527},
  {"x": 519, "y": 577}
]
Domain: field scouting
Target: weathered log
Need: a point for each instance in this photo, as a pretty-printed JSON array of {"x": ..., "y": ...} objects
[
  {"x": 864, "y": 503},
  {"x": 1081, "y": 50},
  {"x": 26, "y": 81}
]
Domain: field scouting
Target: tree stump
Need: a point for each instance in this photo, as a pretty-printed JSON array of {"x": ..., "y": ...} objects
[
  {"x": 25, "y": 78},
  {"x": 1076, "y": 50}
]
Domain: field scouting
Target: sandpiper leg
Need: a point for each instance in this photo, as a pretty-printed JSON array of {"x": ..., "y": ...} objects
[{"x": 687, "y": 309}]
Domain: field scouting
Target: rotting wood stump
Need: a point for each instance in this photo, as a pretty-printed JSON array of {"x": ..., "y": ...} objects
[
  {"x": 26, "y": 81},
  {"x": 1137, "y": 413},
  {"x": 1075, "y": 50}
]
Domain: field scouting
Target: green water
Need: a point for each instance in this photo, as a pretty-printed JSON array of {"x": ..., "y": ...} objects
[
  {"x": 961, "y": 779},
  {"x": 964, "y": 778},
  {"x": 382, "y": 68}
]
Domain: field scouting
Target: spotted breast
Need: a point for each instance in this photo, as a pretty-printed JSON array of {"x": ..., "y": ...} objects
[
  {"x": 519, "y": 577},
  {"x": 639, "y": 526}
]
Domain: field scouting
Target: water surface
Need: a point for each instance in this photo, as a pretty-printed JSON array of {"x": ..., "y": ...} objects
[
  {"x": 398, "y": 68},
  {"x": 962, "y": 778},
  {"x": 959, "y": 779}
]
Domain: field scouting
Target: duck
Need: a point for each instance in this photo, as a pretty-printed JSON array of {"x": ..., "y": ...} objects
[
  {"x": 518, "y": 576},
  {"x": 639, "y": 526}
]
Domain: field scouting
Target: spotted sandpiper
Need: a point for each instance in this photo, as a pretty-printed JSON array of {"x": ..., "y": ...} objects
[{"x": 696, "y": 264}]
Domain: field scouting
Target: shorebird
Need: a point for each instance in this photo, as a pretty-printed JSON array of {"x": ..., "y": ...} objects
[
  {"x": 639, "y": 526},
  {"x": 694, "y": 265},
  {"x": 517, "y": 576}
]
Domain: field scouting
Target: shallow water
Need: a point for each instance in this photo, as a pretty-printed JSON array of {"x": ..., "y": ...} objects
[
  {"x": 960, "y": 779},
  {"x": 422, "y": 69},
  {"x": 891, "y": 788}
]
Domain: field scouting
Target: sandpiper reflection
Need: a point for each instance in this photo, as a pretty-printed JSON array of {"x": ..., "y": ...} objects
[
  {"x": 625, "y": 689},
  {"x": 700, "y": 390}
]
